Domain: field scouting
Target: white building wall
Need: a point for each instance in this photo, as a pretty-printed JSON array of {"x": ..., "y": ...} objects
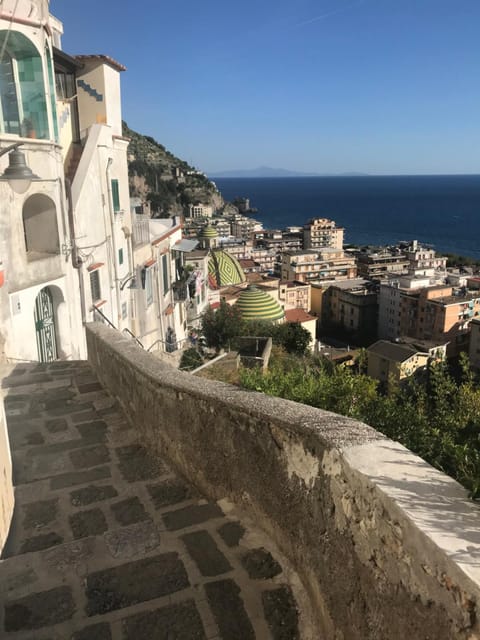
[
  {"x": 25, "y": 275},
  {"x": 389, "y": 312}
]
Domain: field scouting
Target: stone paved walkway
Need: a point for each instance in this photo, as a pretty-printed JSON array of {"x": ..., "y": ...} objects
[{"x": 108, "y": 543}]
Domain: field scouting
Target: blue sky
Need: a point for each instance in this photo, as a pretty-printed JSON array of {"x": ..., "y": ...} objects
[{"x": 376, "y": 86}]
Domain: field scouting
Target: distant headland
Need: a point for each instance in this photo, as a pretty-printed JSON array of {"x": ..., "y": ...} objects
[{"x": 271, "y": 172}]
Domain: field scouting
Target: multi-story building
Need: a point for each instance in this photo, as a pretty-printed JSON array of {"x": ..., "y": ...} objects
[
  {"x": 308, "y": 266},
  {"x": 68, "y": 248},
  {"x": 351, "y": 307},
  {"x": 40, "y": 302},
  {"x": 265, "y": 258},
  {"x": 276, "y": 240},
  {"x": 320, "y": 233},
  {"x": 377, "y": 264},
  {"x": 423, "y": 260},
  {"x": 294, "y": 295},
  {"x": 390, "y": 361},
  {"x": 200, "y": 210},
  {"x": 436, "y": 313},
  {"x": 243, "y": 227}
]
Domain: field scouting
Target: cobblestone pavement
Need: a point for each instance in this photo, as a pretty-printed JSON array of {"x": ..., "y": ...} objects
[{"x": 108, "y": 543}]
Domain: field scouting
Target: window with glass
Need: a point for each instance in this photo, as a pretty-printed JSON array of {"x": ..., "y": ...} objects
[
  {"x": 95, "y": 285},
  {"x": 23, "y": 106},
  {"x": 115, "y": 195}
]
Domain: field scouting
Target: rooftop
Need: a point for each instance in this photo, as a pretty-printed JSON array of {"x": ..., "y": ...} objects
[
  {"x": 298, "y": 315},
  {"x": 392, "y": 351},
  {"x": 103, "y": 59}
]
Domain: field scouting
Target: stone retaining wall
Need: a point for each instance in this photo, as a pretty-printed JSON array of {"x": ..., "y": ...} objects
[{"x": 386, "y": 546}]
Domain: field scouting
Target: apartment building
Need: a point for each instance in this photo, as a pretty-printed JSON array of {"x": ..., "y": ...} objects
[
  {"x": 389, "y": 361},
  {"x": 436, "y": 313},
  {"x": 320, "y": 233},
  {"x": 351, "y": 307},
  {"x": 308, "y": 266},
  {"x": 294, "y": 295},
  {"x": 375, "y": 265}
]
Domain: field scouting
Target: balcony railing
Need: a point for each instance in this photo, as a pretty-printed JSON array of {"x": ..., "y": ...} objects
[{"x": 140, "y": 230}]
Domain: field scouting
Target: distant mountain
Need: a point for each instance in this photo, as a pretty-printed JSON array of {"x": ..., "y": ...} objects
[
  {"x": 270, "y": 172},
  {"x": 260, "y": 172}
]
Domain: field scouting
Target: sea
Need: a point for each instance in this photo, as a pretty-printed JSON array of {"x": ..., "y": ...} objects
[{"x": 442, "y": 211}]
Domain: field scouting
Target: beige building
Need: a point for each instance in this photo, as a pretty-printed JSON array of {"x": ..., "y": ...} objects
[
  {"x": 320, "y": 233},
  {"x": 295, "y": 295},
  {"x": 351, "y": 308},
  {"x": 326, "y": 264},
  {"x": 388, "y": 360},
  {"x": 200, "y": 210},
  {"x": 378, "y": 264}
]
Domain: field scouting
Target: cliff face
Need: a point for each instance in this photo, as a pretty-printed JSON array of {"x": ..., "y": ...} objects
[{"x": 169, "y": 183}]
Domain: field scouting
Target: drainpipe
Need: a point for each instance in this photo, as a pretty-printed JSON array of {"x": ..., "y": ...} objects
[
  {"x": 114, "y": 241},
  {"x": 77, "y": 262},
  {"x": 131, "y": 269}
]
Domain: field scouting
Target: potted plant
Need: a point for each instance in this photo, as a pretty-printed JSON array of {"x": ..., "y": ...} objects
[{"x": 28, "y": 129}]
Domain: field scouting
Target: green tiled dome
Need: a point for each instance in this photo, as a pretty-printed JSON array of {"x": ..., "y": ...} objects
[
  {"x": 255, "y": 304},
  {"x": 224, "y": 270},
  {"x": 208, "y": 232}
]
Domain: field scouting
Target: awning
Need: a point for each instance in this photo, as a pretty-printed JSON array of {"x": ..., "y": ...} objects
[{"x": 185, "y": 245}]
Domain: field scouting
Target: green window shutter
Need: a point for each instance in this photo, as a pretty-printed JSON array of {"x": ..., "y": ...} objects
[
  {"x": 166, "y": 279},
  {"x": 115, "y": 196}
]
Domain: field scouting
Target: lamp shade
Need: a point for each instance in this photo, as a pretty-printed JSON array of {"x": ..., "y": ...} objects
[{"x": 18, "y": 175}]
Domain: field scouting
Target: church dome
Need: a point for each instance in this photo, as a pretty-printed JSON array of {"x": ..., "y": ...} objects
[
  {"x": 224, "y": 270},
  {"x": 208, "y": 232},
  {"x": 255, "y": 304}
]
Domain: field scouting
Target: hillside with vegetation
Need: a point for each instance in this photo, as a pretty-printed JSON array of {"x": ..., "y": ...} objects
[{"x": 167, "y": 182}]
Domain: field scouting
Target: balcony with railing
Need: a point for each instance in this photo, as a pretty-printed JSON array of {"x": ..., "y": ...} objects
[{"x": 140, "y": 230}]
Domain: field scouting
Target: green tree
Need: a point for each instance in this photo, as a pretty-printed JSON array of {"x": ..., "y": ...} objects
[
  {"x": 292, "y": 337},
  {"x": 221, "y": 326},
  {"x": 191, "y": 359}
]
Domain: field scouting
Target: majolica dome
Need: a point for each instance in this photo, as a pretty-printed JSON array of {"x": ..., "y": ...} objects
[
  {"x": 255, "y": 304},
  {"x": 208, "y": 232},
  {"x": 224, "y": 270}
]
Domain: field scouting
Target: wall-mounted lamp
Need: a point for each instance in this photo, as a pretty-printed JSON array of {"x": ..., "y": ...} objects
[
  {"x": 18, "y": 175},
  {"x": 132, "y": 279}
]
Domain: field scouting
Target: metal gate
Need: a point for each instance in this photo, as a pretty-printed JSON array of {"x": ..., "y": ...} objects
[{"x": 45, "y": 326}]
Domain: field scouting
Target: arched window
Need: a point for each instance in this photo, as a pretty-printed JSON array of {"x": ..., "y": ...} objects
[
  {"x": 40, "y": 227},
  {"x": 23, "y": 107}
]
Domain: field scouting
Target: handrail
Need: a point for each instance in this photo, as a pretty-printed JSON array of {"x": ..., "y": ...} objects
[
  {"x": 132, "y": 335},
  {"x": 166, "y": 342},
  {"x": 109, "y": 322},
  {"x": 104, "y": 317}
]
